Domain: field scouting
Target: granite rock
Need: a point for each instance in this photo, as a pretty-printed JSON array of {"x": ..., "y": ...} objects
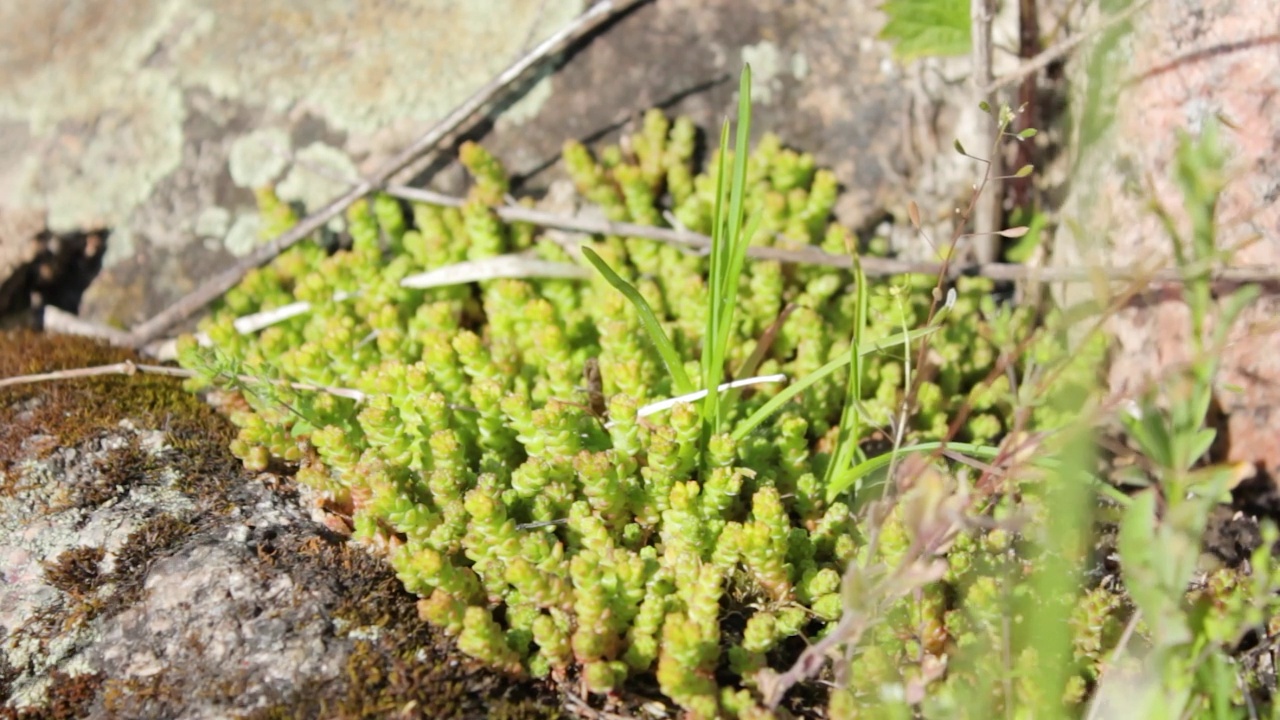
[
  {"x": 1188, "y": 63},
  {"x": 155, "y": 119}
]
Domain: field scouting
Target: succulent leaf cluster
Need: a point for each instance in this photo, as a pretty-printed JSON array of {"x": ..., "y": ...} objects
[{"x": 500, "y": 459}]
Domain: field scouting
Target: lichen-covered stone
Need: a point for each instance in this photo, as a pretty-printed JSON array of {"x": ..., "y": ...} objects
[{"x": 137, "y": 120}]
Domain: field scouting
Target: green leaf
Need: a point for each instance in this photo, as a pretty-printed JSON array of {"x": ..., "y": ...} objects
[
  {"x": 302, "y": 427},
  {"x": 650, "y": 321},
  {"x": 927, "y": 28},
  {"x": 1232, "y": 308},
  {"x": 728, "y": 254},
  {"x": 1151, "y": 435},
  {"x": 1199, "y": 444},
  {"x": 1151, "y": 556},
  {"x": 850, "y": 430},
  {"x": 782, "y": 398}
]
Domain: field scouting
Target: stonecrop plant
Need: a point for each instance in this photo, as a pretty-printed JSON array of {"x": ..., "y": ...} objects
[
  {"x": 504, "y": 451},
  {"x": 513, "y": 447}
]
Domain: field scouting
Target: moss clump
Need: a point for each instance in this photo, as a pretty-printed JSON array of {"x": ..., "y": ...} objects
[
  {"x": 407, "y": 662},
  {"x": 406, "y": 665},
  {"x": 70, "y": 696},
  {"x": 75, "y": 572},
  {"x": 550, "y": 540},
  {"x": 45, "y": 416}
]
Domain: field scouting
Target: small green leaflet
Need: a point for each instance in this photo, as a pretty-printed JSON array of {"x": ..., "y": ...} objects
[{"x": 927, "y": 28}]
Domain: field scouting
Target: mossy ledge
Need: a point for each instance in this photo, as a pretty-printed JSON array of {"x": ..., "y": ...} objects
[{"x": 141, "y": 454}]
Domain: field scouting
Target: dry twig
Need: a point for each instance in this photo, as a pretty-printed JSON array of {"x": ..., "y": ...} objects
[
  {"x": 224, "y": 281},
  {"x": 986, "y": 210},
  {"x": 129, "y": 368},
  {"x": 873, "y": 266}
]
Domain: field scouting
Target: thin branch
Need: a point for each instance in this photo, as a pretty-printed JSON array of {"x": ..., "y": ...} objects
[
  {"x": 129, "y": 368},
  {"x": 56, "y": 320},
  {"x": 815, "y": 256},
  {"x": 1062, "y": 49},
  {"x": 986, "y": 211},
  {"x": 213, "y": 288}
]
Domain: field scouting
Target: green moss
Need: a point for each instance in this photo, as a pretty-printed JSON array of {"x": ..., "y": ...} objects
[
  {"x": 45, "y": 416},
  {"x": 406, "y": 664}
]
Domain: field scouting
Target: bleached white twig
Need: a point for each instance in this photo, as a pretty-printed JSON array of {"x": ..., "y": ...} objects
[
  {"x": 266, "y": 318},
  {"x": 493, "y": 268},
  {"x": 669, "y": 403},
  {"x": 501, "y": 266}
]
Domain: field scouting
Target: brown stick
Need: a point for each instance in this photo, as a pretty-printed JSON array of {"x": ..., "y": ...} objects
[
  {"x": 871, "y": 265},
  {"x": 129, "y": 368},
  {"x": 215, "y": 286}
]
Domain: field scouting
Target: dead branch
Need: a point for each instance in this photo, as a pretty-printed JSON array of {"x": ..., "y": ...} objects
[
  {"x": 874, "y": 266},
  {"x": 986, "y": 210},
  {"x": 129, "y": 368},
  {"x": 1061, "y": 50}
]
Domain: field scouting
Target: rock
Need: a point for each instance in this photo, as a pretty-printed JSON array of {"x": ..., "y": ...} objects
[
  {"x": 19, "y": 246},
  {"x": 1189, "y": 63},
  {"x": 145, "y": 574},
  {"x": 155, "y": 121}
]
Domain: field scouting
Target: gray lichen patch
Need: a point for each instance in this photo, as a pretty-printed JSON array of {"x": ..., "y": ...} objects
[
  {"x": 258, "y": 158},
  {"x": 64, "y": 504},
  {"x": 320, "y": 173},
  {"x": 244, "y": 235},
  {"x": 75, "y": 60},
  {"x": 102, "y": 123},
  {"x": 767, "y": 64},
  {"x": 397, "y": 60},
  {"x": 213, "y": 222},
  {"x": 101, "y": 166}
]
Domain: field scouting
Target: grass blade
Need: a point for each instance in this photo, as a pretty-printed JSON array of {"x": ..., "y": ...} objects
[
  {"x": 850, "y": 418},
  {"x": 845, "y": 479},
  {"x": 800, "y": 386},
  {"x": 728, "y": 253},
  {"x": 650, "y": 321}
]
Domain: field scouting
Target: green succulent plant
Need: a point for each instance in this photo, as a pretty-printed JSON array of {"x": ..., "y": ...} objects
[
  {"x": 503, "y": 448},
  {"x": 549, "y": 539}
]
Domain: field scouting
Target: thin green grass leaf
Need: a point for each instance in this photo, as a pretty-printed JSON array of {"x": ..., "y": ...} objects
[
  {"x": 800, "y": 386},
  {"x": 648, "y": 319},
  {"x": 844, "y": 480},
  {"x": 850, "y": 418},
  {"x": 728, "y": 253}
]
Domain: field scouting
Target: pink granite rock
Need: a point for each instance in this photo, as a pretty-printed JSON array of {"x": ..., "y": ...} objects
[{"x": 1189, "y": 63}]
